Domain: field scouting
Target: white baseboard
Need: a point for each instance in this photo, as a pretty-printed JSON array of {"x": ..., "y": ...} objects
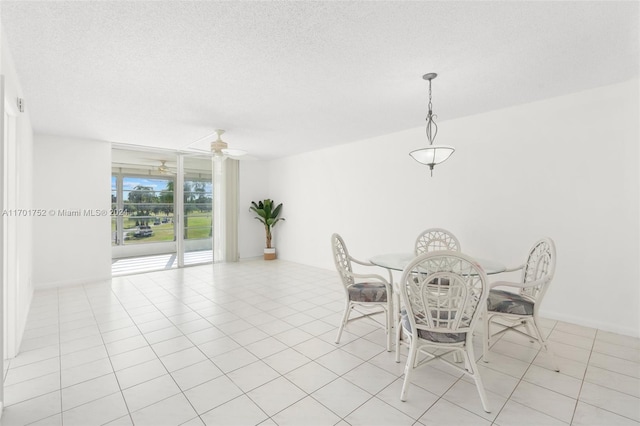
[
  {"x": 604, "y": 326},
  {"x": 70, "y": 283}
]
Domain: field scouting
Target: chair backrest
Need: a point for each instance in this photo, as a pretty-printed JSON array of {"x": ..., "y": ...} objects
[
  {"x": 541, "y": 265},
  {"x": 341, "y": 259},
  {"x": 434, "y": 239},
  {"x": 443, "y": 292}
]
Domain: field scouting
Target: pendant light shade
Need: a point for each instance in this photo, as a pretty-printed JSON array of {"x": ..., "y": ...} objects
[{"x": 432, "y": 154}]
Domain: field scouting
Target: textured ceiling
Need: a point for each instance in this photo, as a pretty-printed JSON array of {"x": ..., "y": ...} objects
[{"x": 289, "y": 77}]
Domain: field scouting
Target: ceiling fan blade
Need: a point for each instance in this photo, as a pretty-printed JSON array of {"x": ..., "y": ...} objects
[
  {"x": 217, "y": 146},
  {"x": 234, "y": 152}
]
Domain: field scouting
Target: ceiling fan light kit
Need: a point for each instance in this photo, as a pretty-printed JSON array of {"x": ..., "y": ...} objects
[
  {"x": 432, "y": 154},
  {"x": 220, "y": 148}
]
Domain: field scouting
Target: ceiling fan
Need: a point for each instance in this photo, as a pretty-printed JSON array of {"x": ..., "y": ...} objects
[
  {"x": 219, "y": 148},
  {"x": 164, "y": 169},
  {"x": 145, "y": 165}
]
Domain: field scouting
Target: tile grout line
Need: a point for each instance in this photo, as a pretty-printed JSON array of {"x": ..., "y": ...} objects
[
  {"x": 157, "y": 356},
  {"x": 109, "y": 358},
  {"x": 223, "y": 373},
  {"x": 584, "y": 376},
  {"x": 169, "y": 287},
  {"x": 60, "y": 355},
  {"x": 583, "y": 381},
  {"x": 520, "y": 380}
]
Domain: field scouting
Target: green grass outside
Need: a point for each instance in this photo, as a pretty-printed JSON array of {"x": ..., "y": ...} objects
[{"x": 198, "y": 227}]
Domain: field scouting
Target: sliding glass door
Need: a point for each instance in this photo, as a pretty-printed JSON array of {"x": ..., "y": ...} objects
[
  {"x": 162, "y": 206},
  {"x": 197, "y": 209}
]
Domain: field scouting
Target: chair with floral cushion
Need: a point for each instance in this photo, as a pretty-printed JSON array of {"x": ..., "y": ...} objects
[
  {"x": 518, "y": 311},
  {"x": 434, "y": 239},
  {"x": 438, "y": 317},
  {"x": 366, "y": 291}
]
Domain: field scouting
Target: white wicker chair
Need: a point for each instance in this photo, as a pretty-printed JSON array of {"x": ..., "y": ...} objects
[
  {"x": 434, "y": 239},
  {"x": 444, "y": 294},
  {"x": 429, "y": 240},
  {"x": 519, "y": 310},
  {"x": 362, "y": 290}
]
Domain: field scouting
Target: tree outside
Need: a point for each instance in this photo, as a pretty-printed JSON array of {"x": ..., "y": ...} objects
[{"x": 149, "y": 204}]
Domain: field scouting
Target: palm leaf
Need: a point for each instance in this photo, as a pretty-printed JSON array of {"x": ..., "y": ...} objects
[{"x": 267, "y": 214}]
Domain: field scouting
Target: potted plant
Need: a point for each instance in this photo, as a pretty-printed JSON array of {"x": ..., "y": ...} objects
[{"x": 268, "y": 215}]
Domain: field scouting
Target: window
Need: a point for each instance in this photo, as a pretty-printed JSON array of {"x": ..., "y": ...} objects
[
  {"x": 147, "y": 207},
  {"x": 198, "y": 204},
  {"x": 114, "y": 207},
  {"x": 146, "y": 221}
]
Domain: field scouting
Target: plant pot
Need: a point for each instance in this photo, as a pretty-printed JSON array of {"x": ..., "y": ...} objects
[{"x": 270, "y": 253}]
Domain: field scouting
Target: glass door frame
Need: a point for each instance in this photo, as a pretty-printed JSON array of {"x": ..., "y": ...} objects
[
  {"x": 184, "y": 173},
  {"x": 178, "y": 209},
  {"x": 179, "y": 198}
]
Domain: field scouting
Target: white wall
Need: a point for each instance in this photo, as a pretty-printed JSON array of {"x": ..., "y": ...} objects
[
  {"x": 253, "y": 186},
  {"x": 18, "y": 196},
  {"x": 71, "y": 174},
  {"x": 565, "y": 167}
]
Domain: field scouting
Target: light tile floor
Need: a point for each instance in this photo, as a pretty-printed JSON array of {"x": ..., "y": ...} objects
[
  {"x": 253, "y": 343},
  {"x": 140, "y": 264}
]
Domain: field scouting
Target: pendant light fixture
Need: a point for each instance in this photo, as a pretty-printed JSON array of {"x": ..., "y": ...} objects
[{"x": 433, "y": 154}]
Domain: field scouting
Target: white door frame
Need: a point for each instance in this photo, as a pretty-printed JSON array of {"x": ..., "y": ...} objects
[
  {"x": 2, "y": 237},
  {"x": 178, "y": 209},
  {"x": 10, "y": 232}
]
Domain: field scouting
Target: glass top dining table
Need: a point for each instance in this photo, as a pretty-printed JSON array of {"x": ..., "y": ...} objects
[{"x": 398, "y": 261}]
